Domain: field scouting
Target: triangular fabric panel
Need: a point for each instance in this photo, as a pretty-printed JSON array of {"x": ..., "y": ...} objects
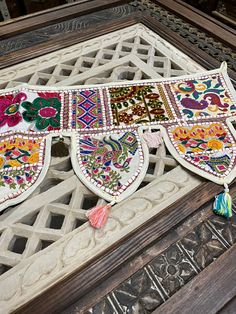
[
  {"x": 23, "y": 165},
  {"x": 111, "y": 163}
]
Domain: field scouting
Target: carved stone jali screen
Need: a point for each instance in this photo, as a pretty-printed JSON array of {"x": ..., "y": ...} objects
[{"x": 47, "y": 237}]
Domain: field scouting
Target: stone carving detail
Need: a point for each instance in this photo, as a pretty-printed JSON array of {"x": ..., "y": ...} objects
[
  {"x": 78, "y": 246},
  {"x": 133, "y": 53},
  {"x": 47, "y": 235}
]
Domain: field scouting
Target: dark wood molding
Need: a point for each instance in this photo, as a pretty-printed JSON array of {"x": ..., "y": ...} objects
[
  {"x": 202, "y": 20},
  {"x": 208, "y": 292},
  {"x": 48, "y": 17},
  {"x": 139, "y": 261},
  {"x": 65, "y": 40},
  {"x": 70, "y": 289},
  {"x": 198, "y": 55},
  {"x": 206, "y": 16},
  {"x": 68, "y": 39}
]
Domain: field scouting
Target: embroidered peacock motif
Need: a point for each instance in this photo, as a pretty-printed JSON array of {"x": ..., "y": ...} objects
[{"x": 106, "y": 159}]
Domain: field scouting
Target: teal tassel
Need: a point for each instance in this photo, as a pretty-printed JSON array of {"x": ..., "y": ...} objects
[{"x": 223, "y": 204}]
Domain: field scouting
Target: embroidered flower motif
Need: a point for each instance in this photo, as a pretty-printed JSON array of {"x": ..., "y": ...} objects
[
  {"x": 196, "y": 150},
  {"x": 18, "y": 178},
  {"x": 9, "y": 109},
  {"x": 45, "y": 112},
  {"x": 181, "y": 133},
  {"x": 126, "y": 118},
  {"x": 215, "y": 144},
  {"x": 199, "y": 132},
  {"x": 34, "y": 158},
  {"x": 181, "y": 148},
  {"x": 139, "y": 111},
  {"x": 14, "y": 163},
  {"x": 18, "y": 152},
  {"x": 49, "y": 95},
  {"x": 216, "y": 130},
  {"x": 2, "y": 162}
]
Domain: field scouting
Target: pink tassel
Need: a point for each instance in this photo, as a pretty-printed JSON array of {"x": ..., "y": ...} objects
[
  {"x": 153, "y": 139},
  {"x": 98, "y": 215}
]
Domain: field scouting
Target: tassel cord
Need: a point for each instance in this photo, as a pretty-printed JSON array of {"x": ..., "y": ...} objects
[{"x": 223, "y": 203}]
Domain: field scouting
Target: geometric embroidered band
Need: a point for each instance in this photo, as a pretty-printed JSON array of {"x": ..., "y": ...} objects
[{"x": 194, "y": 114}]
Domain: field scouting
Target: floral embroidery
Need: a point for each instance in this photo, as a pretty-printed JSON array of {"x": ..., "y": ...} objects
[
  {"x": 200, "y": 138},
  {"x": 9, "y": 109},
  {"x": 218, "y": 163},
  {"x": 48, "y": 95},
  {"x": 18, "y": 152},
  {"x": 45, "y": 112},
  {"x": 203, "y": 97},
  {"x": 86, "y": 109},
  {"x": 18, "y": 178},
  {"x": 110, "y": 159},
  {"x": 139, "y": 104}
]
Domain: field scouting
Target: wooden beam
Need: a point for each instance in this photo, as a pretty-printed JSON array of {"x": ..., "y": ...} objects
[
  {"x": 202, "y": 20},
  {"x": 141, "y": 259},
  {"x": 48, "y": 17},
  {"x": 209, "y": 291},
  {"x": 70, "y": 289},
  {"x": 65, "y": 40},
  {"x": 198, "y": 55}
]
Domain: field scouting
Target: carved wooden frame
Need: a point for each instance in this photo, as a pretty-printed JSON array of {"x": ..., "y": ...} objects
[{"x": 73, "y": 287}]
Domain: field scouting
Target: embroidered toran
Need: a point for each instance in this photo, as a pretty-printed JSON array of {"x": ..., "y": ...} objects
[{"x": 194, "y": 114}]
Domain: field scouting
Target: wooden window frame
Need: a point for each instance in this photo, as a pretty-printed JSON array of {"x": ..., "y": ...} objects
[{"x": 77, "y": 284}]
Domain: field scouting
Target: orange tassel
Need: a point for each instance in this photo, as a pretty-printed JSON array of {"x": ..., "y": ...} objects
[{"x": 98, "y": 215}]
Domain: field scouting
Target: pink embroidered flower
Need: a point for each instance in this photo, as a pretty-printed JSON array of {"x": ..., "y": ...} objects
[
  {"x": 25, "y": 158},
  {"x": 9, "y": 109},
  {"x": 226, "y": 139},
  {"x": 8, "y": 180},
  {"x": 196, "y": 159},
  {"x": 28, "y": 176},
  {"x": 192, "y": 142},
  {"x": 19, "y": 180},
  {"x": 49, "y": 95},
  {"x": 205, "y": 157},
  {"x": 16, "y": 153},
  {"x": 50, "y": 128},
  {"x": 203, "y": 145}
]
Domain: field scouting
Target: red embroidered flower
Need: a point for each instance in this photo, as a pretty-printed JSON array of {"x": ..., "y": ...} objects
[
  {"x": 49, "y": 95},
  {"x": 9, "y": 109}
]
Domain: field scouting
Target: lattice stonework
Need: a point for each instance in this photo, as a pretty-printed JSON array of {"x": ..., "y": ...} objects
[{"x": 55, "y": 212}]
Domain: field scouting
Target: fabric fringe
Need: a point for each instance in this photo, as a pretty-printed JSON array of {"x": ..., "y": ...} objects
[
  {"x": 223, "y": 204},
  {"x": 153, "y": 139},
  {"x": 98, "y": 215}
]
